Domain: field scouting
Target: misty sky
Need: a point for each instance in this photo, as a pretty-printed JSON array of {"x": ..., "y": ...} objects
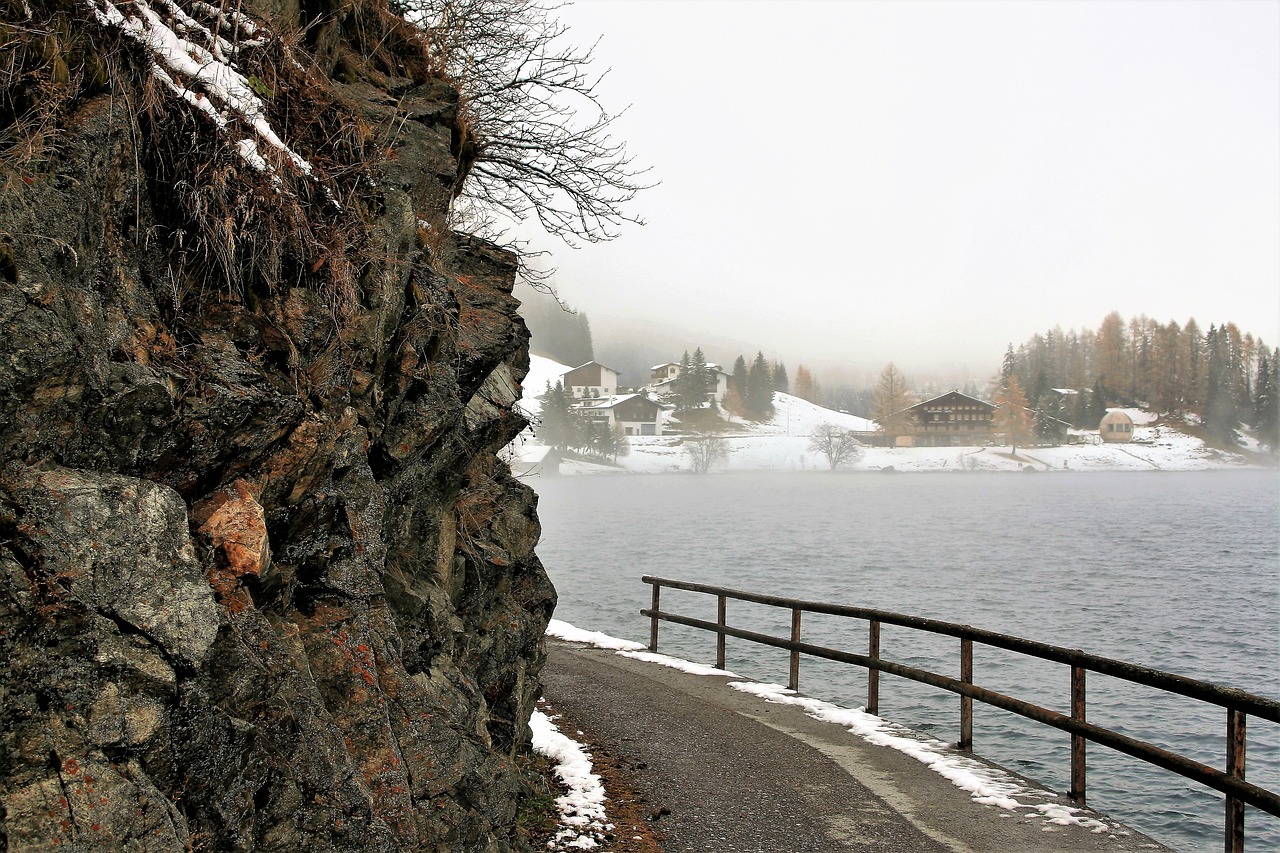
[{"x": 926, "y": 182}]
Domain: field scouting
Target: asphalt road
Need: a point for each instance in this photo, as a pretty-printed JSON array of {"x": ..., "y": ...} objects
[{"x": 727, "y": 772}]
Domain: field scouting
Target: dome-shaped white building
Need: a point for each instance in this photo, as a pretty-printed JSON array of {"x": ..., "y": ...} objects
[{"x": 1116, "y": 426}]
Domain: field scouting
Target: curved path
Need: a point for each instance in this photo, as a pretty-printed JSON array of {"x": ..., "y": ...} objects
[{"x": 731, "y": 773}]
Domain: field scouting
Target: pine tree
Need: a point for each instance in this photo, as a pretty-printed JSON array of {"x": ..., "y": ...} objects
[
  {"x": 700, "y": 381},
  {"x": 560, "y": 426},
  {"x": 1267, "y": 423},
  {"x": 759, "y": 389},
  {"x": 682, "y": 395},
  {"x": 780, "y": 382},
  {"x": 1097, "y": 404},
  {"x": 1220, "y": 416}
]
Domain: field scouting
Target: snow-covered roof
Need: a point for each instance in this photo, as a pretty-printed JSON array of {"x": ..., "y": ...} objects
[
  {"x": 607, "y": 402},
  {"x": 948, "y": 394},
  {"x": 1064, "y": 391},
  {"x": 589, "y": 363},
  {"x": 665, "y": 364}
]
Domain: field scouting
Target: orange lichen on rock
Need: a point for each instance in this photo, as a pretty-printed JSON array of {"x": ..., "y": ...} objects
[{"x": 234, "y": 525}]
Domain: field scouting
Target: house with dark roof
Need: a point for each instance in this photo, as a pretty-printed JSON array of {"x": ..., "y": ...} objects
[
  {"x": 592, "y": 379},
  {"x": 951, "y": 419},
  {"x": 635, "y": 414}
]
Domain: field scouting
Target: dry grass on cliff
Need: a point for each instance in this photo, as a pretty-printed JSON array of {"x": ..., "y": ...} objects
[{"x": 229, "y": 228}]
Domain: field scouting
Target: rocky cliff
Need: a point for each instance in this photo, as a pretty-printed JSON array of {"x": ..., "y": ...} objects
[{"x": 264, "y": 583}]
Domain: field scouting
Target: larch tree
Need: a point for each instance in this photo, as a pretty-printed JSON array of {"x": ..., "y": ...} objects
[
  {"x": 889, "y": 405},
  {"x": 1012, "y": 418},
  {"x": 806, "y": 386}
]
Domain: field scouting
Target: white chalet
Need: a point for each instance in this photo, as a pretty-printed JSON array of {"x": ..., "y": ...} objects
[
  {"x": 592, "y": 379},
  {"x": 662, "y": 375}
]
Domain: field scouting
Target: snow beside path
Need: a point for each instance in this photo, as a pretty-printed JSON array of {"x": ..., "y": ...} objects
[
  {"x": 986, "y": 784},
  {"x": 582, "y": 816},
  {"x": 782, "y": 444}
]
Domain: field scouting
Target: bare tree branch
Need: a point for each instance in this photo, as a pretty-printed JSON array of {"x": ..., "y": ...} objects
[{"x": 538, "y": 138}]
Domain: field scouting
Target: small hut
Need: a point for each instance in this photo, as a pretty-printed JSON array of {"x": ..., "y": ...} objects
[{"x": 1116, "y": 426}]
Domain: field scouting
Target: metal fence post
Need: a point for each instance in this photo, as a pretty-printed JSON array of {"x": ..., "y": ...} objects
[
  {"x": 720, "y": 613},
  {"x": 653, "y": 620},
  {"x": 873, "y": 675},
  {"x": 1235, "y": 767},
  {"x": 966, "y": 702},
  {"x": 1077, "y": 741},
  {"x": 795, "y": 653}
]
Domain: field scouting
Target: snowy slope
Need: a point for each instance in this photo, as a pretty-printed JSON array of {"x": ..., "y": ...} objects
[{"x": 782, "y": 443}]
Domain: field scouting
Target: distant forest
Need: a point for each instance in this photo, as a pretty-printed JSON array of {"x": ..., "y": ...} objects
[
  {"x": 1224, "y": 377},
  {"x": 559, "y": 332},
  {"x": 1221, "y": 376}
]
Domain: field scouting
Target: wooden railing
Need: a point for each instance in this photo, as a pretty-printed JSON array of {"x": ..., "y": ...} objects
[{"x": 1238, "y": 704}]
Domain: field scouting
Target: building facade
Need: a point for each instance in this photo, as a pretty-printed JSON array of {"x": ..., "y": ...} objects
[{"x": 951, "y": 419}]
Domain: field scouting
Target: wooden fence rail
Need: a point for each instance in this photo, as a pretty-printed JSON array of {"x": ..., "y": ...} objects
[{"x": 1238, "y": 704}]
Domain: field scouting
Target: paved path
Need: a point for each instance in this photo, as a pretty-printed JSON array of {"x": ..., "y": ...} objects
[{"x": 740, "y": 775}]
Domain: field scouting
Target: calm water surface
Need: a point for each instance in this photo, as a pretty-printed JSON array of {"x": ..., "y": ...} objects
[{"x": 1179, "y": 571}]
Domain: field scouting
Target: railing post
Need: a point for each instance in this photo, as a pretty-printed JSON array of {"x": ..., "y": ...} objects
[
  {"x": 795, "y": 653},
  {"x": 873, "y": 675},
  {"x": 720, "y": 612},
  {"x": 1077, "y": 741},
  {"x": 1235, "y": 767},
  {"x": 653, "y": 620},
  {"x": 966, "y": 702}
]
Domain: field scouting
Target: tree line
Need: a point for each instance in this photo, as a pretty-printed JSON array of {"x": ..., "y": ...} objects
[{"x": 1222, "y": 376}]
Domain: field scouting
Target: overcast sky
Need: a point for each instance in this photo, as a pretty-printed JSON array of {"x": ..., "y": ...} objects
[{"x": 926, "y": 182}]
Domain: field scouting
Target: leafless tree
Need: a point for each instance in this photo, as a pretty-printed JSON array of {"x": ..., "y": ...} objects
[
  {"x": 537, "y": 138},
  {"x": 838, "y": 445},
  {"x": 706, "y": 451}
]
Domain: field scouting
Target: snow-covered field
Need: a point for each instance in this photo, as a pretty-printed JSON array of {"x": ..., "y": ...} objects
[{"x": 783, "y": 444}]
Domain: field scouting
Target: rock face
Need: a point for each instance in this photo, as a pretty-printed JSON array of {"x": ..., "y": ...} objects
[{"x": 264, "y": 582}]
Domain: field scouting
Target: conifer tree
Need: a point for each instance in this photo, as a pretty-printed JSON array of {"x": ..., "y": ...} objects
[
  {"x": 738, "y": 379},
  {"x": 1097, "y": 404},
  {"x": 889, "y": 406},
  {"x": 1220, "y": 416},
  {"x": 1011, "y": 418},
  {"x": 759, "y": 389},
  {"x": 806, "y": 387},
  {"x": 1267, "y": 418},
  {"x": 700, "y": 381},
  {"x": 560, "y": 427},
  {"x": 780, "y": 381}
]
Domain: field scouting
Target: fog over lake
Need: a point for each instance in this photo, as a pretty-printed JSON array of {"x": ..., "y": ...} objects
[{"x": 1178, "y": 571}]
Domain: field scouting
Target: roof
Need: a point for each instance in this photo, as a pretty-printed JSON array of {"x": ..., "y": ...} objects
[
  {"x": 588, "y": 364},
  {"x": 610, "y": 402},
  {"x": 665, "y": 364},
  {"x": 950, "y": 394}
]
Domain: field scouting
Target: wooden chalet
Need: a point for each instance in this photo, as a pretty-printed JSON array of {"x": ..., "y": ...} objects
[
  {"x": 636, "y": 414},
  {"x": 951, "y": 419}
]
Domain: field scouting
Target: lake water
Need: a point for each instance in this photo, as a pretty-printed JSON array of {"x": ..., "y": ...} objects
[{"x": 1178, "y": 571}]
